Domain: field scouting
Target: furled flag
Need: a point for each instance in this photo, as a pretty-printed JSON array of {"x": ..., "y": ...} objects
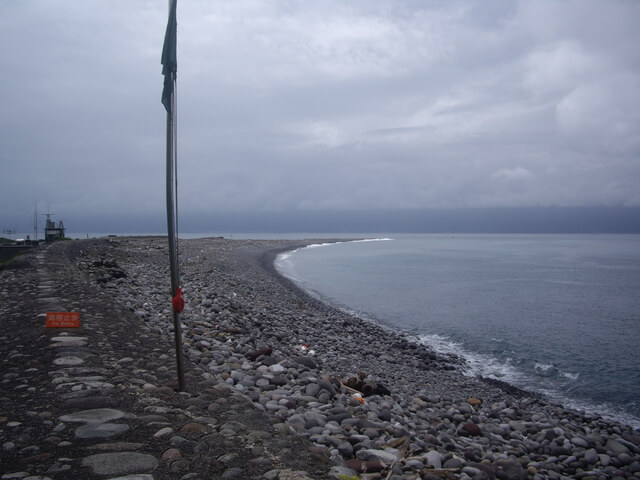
[{"x": 169, "y": 58}]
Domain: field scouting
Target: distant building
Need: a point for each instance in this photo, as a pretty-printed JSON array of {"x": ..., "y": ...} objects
[{"x": 51, "y": 232}]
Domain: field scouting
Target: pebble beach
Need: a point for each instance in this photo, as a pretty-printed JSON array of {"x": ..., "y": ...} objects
[{"x": 294, "y": 388}]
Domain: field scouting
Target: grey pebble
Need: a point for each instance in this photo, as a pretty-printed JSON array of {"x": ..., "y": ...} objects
[{"x": 233, "y": 472}]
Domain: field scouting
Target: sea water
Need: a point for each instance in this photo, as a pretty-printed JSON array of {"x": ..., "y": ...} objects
[{"x": 558, "y": 314}]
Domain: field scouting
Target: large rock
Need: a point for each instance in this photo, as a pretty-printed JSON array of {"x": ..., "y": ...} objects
[
  {"x": 507, "y": 469},
  {"x": 306, "y": 361},
  {"x": 591, "y": 456},
  {"x": 95, "y": 415},
  {"x": 120, "y": 463},
  {"x": 615, "y": 447},
  {"x": 297, "y": 421},
  {"x": 378, "y": 455},
  {"x": 100, "y": 430},
  {"x": 362, "y": 466},
  {"x": 341, "y": 472},
  {"x": 433, "y": 458},
  {"x": 470, "y": 429}
]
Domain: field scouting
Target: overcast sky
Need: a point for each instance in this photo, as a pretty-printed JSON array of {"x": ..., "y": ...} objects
[{"x": 301, "y": 105}]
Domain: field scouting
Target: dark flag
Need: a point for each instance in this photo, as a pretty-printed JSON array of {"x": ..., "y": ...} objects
[{"x": 169, "y": 57}]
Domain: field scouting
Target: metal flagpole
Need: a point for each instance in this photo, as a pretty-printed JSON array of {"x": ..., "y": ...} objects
[{"x": 169, "y": 63}]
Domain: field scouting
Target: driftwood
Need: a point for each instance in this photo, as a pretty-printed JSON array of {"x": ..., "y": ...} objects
[
  {"x": 390, "y": 471},
  {"x": 349, "y": 389},
  {"x": 365, "y": 388}
]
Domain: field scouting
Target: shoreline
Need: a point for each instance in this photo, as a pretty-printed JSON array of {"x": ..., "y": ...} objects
[
  {"x": 270, "y": 256},
  {"x": 440, "y": 417},
  {"x": 467, "y": 360}
]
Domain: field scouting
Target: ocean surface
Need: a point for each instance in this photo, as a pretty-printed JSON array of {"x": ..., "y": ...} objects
[{"x": 558, "y": 314}]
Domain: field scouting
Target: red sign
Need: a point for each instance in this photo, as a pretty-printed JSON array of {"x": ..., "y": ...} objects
[{"x": 63, "y": 320}]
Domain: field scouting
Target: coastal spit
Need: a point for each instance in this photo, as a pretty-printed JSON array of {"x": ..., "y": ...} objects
[{"x": 278, "y": 385}]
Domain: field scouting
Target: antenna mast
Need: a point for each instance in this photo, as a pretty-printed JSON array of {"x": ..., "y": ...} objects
[{"x": 35, "y": 223}]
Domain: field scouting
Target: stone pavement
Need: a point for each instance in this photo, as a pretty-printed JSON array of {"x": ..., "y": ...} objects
[{"x": 99, "y": 402}]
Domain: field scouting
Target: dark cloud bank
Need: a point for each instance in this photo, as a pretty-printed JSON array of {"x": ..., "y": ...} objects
[{"x": 458, "y": 220}]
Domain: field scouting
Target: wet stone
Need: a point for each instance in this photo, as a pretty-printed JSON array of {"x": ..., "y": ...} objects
[
  {"x": 228, "y": 458},
  {"x": 379, "y": 455},
  {"x": 68, "y": 360},
  {"x": 591, "y": 456},
  {"x": 233, "y": 472},
  {"x": 91, "y": 402},
  {"x": 58, "y": 467},
  {"x": 306, "y": 361},
  {"x": 272, "y": 474},
  {"x": 625, "y": 458},
  {"x": 116, "y": 446},
  {"x": 510, "y": 469},
  {"x": 615, "y": 447},
  {"x": 80, "y": 352},
  {"x": 96, "y": 415},
  {"x": 364, "y": 466},
  {"x": 119, "y": 463},
  {"x": 100, "y": 430},
  {"x": 453, "y": 463},
  {"x": 193, "y": 428},
  {"x": 135, "y": 476},
  {"x": 171, "y": 455},
  {"x": 604, "y": 459},
  {"x": 69, "y": 341},
  {"x": 60, "y": 380},
  {"x": 163, "y": 432}
]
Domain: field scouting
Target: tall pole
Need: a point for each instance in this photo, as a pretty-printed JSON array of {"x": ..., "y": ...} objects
[
  {"x": 169, "y": 63},
  {"x": 171, "y": 231},
  {"x": 35, "y": 223}
]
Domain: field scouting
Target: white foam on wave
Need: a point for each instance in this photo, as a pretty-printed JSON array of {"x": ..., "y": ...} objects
[
  {"x": 317, "y": 245},
  {"x": 327, "y": 244},
  {"x": 476, "y": 364},
  {"x": 543, "y": 367},
  {"x": 605, "y": 410},
  {"x": 285, "y": 266},
  {"x": 385, "y": 239},
  {"x": 283, "y": 257}
]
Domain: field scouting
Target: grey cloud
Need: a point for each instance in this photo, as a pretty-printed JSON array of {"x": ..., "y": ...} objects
[{"x": 286, "y": 105}]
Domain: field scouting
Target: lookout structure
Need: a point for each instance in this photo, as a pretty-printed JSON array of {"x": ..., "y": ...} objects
[{"x": 51, "y": 231}]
